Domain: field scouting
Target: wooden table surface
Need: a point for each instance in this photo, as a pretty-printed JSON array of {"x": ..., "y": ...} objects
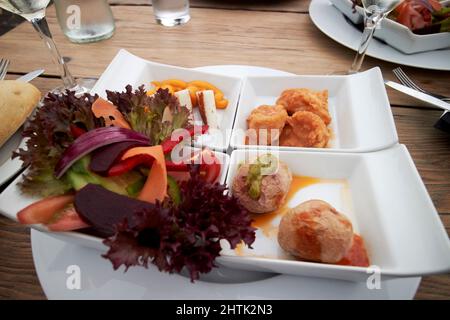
[{"x": 275, "y": 34}]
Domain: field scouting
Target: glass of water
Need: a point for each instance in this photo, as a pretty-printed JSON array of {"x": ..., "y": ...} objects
[
  {"x": 171, "y": 13},
  {"x": 34, "y": 12},
  {"x": 85, "y": 21},
  {"x": 374, "y": 12}
]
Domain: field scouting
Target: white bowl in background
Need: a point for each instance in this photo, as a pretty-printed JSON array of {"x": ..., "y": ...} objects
[{"x": 395, "y": 34}]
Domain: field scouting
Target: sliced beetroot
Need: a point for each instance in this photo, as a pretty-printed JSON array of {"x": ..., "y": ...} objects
[
  {"x": 103, "y": 209},
  {"x": 103, "y": 158}
]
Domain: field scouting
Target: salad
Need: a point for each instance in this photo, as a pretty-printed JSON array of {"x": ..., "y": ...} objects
[
  {"x": 110, "y": 168},
  {"x": 421, "y": 16}
]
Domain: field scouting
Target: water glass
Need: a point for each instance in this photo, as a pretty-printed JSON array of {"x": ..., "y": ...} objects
[
  {"x": 85, "y": 21},
  {"x": 171, "y": 13}
]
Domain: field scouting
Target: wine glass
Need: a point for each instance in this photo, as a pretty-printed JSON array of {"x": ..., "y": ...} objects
[
  {"x": 34, "y": 12},
  {"x": 374, "y": 12}
]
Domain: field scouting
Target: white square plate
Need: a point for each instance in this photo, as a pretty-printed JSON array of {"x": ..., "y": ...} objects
[
  {"x": 361, "y": 115},
  {"x": 127, "y": 69},
  {"x": 384, "y": 198}
]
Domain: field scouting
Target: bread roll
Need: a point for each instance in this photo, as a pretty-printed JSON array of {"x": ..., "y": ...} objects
[{"x": 17, "y": 101}]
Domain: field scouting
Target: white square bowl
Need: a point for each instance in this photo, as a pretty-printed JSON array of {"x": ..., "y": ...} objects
[
  {"x": 12, "y": 200},
  {"x": 128, "y": 69},
  {"x": 361, "y": 115},
  {"x": 395, "y": 34},
  {"x": 388, "y": 206}
]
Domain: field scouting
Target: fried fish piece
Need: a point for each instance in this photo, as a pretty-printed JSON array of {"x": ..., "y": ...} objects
[
  {"x": 270, "y": 118},
  {"x": 305, "y": 129},
  {"x": 306, "y": 100}
]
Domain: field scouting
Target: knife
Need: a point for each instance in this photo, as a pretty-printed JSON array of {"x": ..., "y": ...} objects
[
  {"x": 418, "y": 95},
  {"x": 30, "y": 76}
]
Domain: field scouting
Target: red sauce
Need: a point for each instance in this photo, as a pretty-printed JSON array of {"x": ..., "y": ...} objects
[{"x": 357, "y": 255}]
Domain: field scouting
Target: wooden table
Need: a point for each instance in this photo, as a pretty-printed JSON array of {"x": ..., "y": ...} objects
[{"x": 275, "y": 34}]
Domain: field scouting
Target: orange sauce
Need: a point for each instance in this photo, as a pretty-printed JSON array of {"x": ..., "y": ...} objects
[
  {"x": 264, "y": 221},
  {"x": 239, "y": 250},
  {"x": 357, "y": 255}
]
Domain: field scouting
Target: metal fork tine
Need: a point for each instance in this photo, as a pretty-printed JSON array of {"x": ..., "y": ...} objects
[
  {"x": 404, "y": 80},
  {"x": 3, "y": 68},
  {"x": 401, "y": 76},
  {"x": 408, "y": 81}
]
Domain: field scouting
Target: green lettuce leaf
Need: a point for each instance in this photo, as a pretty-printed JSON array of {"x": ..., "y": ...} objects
[{"x": 145, "y": 113}]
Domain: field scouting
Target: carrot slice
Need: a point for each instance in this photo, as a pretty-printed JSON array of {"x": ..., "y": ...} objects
[
  {"x": 106, "y": 110},
  {"x": 155, "y": 188},
  {"x": 43, "y": 210}
]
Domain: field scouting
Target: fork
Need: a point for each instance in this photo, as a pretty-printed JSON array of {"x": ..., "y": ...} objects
[
  {"x": 407, "y": 81},
  {"x": 4, "y": 63}
]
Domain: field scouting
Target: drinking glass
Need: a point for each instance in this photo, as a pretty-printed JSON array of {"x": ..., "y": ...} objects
[
  {"x": 34, "y": 12},
  {"x": 374, "y": 12},
  {"x": 85, "y": 21},
  {"x": 171, "y": 13}
]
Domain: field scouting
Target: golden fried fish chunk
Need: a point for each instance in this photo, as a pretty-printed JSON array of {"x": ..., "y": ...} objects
[
  {"x": 270, "y": 118},
  {"x": 306, "y": 100},
  {"x": 305, "y": 129}
]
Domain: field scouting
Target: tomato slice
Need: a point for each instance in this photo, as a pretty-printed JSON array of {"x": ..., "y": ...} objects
[
  {"x": 69, "y": 220},
  {"x": 210, "y": 167},
  {"x": 43, "y": 210}
]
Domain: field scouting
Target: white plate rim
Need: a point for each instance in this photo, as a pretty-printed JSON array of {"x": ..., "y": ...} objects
[{"x": 319, "y": 12}]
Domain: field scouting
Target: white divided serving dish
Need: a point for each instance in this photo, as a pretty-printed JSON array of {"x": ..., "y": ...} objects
[
  {"x": 128, "y": 69},
  {"x": 386, "y": 201},
  {"x": 395, "y": 34},
  {"x": 361, "y": 115}
]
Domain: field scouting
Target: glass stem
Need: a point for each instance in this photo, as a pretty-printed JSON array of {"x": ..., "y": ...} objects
[
  {"x": 370, "y": 24},
  {"x": 40, "y": 24}
]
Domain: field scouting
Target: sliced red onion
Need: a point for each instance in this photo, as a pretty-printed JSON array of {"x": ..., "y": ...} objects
[{"x": 92, "y": 140}]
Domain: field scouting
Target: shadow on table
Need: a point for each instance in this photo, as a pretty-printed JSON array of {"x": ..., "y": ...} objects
[
  {"x": 8, "y": 21},
  {"x": 267, "y": 4}
]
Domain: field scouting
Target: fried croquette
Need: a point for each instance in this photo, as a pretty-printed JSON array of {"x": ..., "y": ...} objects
[
  {"x": 315, "y": 231},
  {"x": 305, "y": 129},
  {"x": 302, "y": 99},
  {"x": 270, "y": 118}
]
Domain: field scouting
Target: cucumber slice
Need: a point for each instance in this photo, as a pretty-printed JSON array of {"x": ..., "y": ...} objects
[{"x": 173, "y": 189}]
